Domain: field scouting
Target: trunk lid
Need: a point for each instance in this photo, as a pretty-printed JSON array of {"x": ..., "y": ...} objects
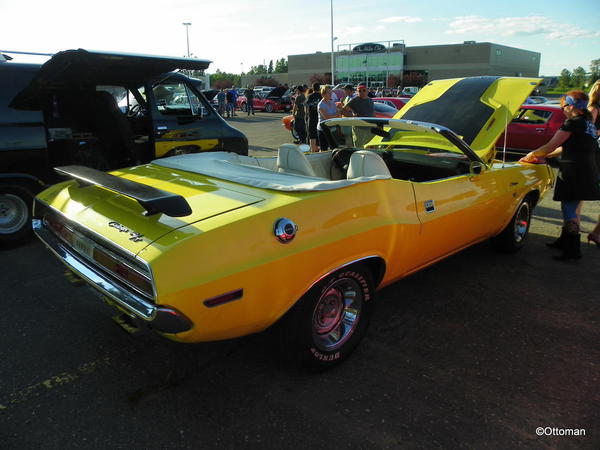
[{"x": 124, "y": 222}]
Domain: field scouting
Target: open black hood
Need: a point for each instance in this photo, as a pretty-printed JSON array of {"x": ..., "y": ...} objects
[
  {"x": 278, "y": 92},
  {"x": 75, "y": 69}
]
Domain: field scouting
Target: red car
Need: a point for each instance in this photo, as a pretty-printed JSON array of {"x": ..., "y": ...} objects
[
  {"x": 396, "y": 102},
  {"x": 276, "y": 100},
  {"x": 532, "y": 126}
]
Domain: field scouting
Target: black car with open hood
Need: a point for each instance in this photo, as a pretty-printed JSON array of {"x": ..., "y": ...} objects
[{"x": 104, "y": 110}]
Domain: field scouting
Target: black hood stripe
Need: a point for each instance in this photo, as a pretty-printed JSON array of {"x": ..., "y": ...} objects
[{"x": 459, "y": 108}]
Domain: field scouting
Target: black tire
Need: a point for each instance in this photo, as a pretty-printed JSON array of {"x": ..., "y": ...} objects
[
  {"x": 269, "y": 108},
  {"x": 514, "y": 235},
  {"x": 243, "y": 107},
  {"x": 330, "y": 320},
  {"x": 16, "y": 202}
]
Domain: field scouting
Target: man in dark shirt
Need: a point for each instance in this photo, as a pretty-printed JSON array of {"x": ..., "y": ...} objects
[
  {"x": 361, "y": 106},
  {"x": 299, "y": 116},
  {"x": 249, "y": 93}
]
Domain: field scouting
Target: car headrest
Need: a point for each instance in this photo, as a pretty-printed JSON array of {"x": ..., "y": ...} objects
[
  {"x": 364, "y": 163},
  {"x": 291, "y": 159}
]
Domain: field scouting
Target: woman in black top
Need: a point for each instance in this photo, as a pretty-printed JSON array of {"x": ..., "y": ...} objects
[
  {"x": 312, "y": 109},
  {"x": 594, "y": 109},
  {"x": 578, "y": 176}
]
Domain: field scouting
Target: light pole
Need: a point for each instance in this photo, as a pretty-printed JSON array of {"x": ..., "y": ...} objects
[
  {"x": 187, "y": 36},
  {"x": 332, "y": 54}
]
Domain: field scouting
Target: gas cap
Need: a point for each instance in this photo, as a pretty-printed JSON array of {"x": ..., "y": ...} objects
[{"x": 285, "y": 230}]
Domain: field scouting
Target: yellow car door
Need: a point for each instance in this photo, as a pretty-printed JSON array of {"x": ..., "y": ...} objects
[{"x": 458, "y": 211}]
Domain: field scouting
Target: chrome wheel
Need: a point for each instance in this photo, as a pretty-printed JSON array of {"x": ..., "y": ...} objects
[
  {"x": 522, "y": 219},
  {"x": 337, "y": 314},
  {"x": 13, "y": 213}
]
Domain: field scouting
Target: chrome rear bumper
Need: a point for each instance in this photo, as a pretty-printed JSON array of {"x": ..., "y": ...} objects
[{"x": 163, "y": 319}]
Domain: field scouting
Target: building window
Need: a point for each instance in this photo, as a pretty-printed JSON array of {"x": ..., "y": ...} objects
[{"x": 498, "y": 52}]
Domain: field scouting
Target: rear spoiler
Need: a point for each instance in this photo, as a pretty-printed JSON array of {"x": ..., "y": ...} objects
[{"x": 153, "y": 200}]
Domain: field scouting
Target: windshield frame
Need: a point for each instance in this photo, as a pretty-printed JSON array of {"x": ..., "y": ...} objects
[{"x": 385, "y": 125}]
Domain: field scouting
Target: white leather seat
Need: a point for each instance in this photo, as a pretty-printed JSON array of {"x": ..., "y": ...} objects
[
  {"x": 291, "y": 159},
  {"x": 364, "y": 163}
]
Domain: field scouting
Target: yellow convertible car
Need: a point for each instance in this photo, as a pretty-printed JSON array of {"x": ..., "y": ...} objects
[{"x": 212, "y": 246}]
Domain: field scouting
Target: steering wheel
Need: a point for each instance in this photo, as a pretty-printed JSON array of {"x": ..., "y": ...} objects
[
  {"x": 135, "y": 110},
  {"x": 340, "y": 158}
]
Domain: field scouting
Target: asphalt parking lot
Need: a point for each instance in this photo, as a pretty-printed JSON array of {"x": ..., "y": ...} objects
[{"x": 477, "y": 351}]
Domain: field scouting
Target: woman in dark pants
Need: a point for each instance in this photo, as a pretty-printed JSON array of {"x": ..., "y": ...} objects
[
  {"x": 578, "y": 176},
  {"x": 312, "y": 114}
]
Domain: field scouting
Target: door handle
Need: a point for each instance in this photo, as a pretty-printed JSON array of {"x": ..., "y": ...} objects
[{"x": 540, "y": 130}]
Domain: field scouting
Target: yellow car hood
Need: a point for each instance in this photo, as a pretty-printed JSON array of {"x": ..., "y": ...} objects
[
  {"x": 124, "y": 221},
  {"x": 475, "y": 108}
]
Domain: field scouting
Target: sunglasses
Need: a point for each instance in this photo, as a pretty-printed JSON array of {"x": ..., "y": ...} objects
[{"x": 362, "y": 90}]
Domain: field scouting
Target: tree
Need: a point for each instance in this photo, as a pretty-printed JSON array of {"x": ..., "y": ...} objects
[
  {"x": 270, "y": 69},
  {"x": 222, "y": 80},
  {"x": 564, "y": 81},
  {"x": 414, "y": 79},
  {"x": 594, "y": 71},
  {"x": 265, "y": 81},
  {"x": 281, "y": 66},
  {"x": 394, "y": 81},
  {"x": 255, "y": 70},
  {"x": 321, "y": 78},
  {"x": 578, "y": 77}
]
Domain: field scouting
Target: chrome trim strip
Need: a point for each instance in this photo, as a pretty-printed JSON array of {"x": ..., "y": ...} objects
[{"x": 131, "y": 302}]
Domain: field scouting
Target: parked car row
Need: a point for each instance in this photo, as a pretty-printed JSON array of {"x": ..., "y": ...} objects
[{"x": 267, "y": 100}]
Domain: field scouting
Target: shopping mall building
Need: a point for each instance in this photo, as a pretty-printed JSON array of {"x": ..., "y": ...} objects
[{"x": 374, "y": 62}]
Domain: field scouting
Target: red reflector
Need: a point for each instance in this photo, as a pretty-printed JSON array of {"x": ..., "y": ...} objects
[{"x": 224, "y": 298}]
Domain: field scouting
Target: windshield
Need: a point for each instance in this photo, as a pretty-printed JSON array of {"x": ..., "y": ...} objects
[{"x": 396, "y": 135}]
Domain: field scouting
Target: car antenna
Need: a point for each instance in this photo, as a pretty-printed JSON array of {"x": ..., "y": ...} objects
[{"x": 505, "y": 133}]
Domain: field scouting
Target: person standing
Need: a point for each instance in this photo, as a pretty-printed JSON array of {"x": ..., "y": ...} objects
[
  {"x": 361, "y": 106},
  {"x": 299, "y": 114},
  {"x": 594, "y": 109},
  {"x": 234, "y": 97},
  {"x": 229, "y": 100},
  {"x": 578, "y": 177},
  {"x": 221, "y": 100},
  {"x": 312, "y": 112},
  {"x": 327, "y": 110},
  {"x": 249, "y": 92},
  {"x": 349, "y": 94}
]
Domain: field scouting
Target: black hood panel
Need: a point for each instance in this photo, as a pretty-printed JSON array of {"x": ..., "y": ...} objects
[{"x": 278, "y": 92}]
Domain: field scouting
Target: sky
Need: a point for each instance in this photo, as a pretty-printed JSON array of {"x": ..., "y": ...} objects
[{"x": 238, "y": 34}]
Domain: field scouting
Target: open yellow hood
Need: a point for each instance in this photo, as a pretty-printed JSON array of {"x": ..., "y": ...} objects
[{"x": 475, "y": 108}]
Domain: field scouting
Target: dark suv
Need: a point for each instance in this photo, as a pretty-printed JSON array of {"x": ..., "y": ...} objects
[{"x": 102, "y": 110}]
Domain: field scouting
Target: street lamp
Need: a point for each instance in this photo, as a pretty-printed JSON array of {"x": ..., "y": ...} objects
[
  {"x": 332, "y": 55},
  {"x": 187, "y": 36}
]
